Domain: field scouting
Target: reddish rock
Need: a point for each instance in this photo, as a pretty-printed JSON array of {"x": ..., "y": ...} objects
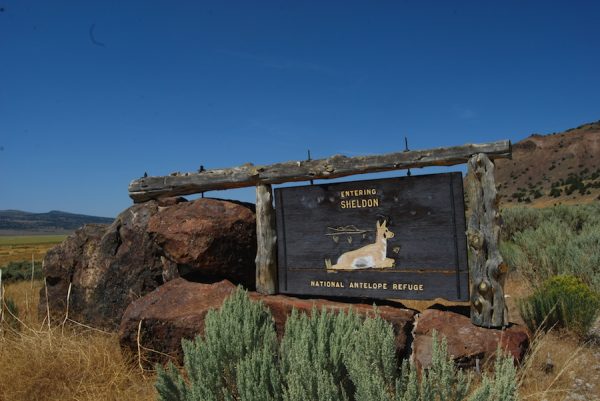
[
  {"x": 177, "y": 310},
  {"x": 466, "y": 342},
  {"x": 107, "y": 268},
  {"x": 173, "y": 200},
  {"x": 174, "y": 311},
  {"x": 208, "y": 239}
]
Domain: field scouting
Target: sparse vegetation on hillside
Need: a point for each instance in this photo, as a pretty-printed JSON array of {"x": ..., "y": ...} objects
[
  {"x": 560, "y": 168},
  {"x": 581, "y": 183}
]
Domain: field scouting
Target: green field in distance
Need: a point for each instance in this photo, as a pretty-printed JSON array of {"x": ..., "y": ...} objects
[{"x": 31, "y": 239}]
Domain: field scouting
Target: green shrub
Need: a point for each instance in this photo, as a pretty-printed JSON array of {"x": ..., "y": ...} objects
[
  {"x": 562, "y": 301},
  {"x": 555, "y": 192},
  {"x": 18, "y": 271},
  {"x": 541, "y": 243},
  {"x": 239, "y": 337},
  {"x": 370, "y": 358},
  {"x": 312, "y": 355},
  {"x": 325, "y": 356},
  {"x": 518, "y": 219}
]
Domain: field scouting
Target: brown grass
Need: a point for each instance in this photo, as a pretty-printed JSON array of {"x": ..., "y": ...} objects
[
  {"x": 515, "y": 288},
  {"x": 573, "y": 362},
  {"x": 38, "y": 363}
]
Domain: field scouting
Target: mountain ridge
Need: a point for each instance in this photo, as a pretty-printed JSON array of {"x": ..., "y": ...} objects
[{"x": 15, "y": 222}]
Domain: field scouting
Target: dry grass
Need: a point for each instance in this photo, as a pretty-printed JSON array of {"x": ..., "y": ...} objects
[
  {"x": 576, "y": 369},
  {"x": 38, "y": 363},
  {"x": 515, "y": 288}
]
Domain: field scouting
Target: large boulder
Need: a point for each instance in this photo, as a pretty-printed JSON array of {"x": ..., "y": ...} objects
[
  {"x": 177, "y": 310},
  {"x": 106, "y": 267},
  {"x": 466, "y": 342},
  {"x": 148, "y": 244},
  {"x": 61, "y": 262},
  {"x": 208, "y": 239}
]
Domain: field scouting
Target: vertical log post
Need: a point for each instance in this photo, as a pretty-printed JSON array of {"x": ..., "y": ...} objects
[
  {"x": 486, "y": 266},
  {"x": 266, "y": 236}
]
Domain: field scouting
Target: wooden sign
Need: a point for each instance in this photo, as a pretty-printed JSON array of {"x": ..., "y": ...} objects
[{"x": 398, "y": 238}]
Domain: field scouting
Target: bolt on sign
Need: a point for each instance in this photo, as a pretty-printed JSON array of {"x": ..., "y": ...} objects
[{"x": 390, "y": 238}]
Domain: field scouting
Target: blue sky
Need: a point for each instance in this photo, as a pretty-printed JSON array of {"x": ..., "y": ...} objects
[{"x": 95, "y": 93}]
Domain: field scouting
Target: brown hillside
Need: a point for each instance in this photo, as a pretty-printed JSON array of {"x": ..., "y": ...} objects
[{"x": 561, "y": 168}]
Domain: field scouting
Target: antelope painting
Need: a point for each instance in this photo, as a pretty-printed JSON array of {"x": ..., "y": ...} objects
[{"x": 372, "y": 256}]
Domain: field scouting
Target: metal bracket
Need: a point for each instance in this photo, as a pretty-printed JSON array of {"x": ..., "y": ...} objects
[
  {"x": 406, "y": 150},
  {"x": 309, "y": 159}
]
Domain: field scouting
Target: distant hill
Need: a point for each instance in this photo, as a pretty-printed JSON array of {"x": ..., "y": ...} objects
[
  {"x": 15, "y": 222},
  {"x": 559, "y": 168}
]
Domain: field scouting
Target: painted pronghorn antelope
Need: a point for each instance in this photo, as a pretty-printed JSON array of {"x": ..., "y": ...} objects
[{"x": 372, "y": 256}]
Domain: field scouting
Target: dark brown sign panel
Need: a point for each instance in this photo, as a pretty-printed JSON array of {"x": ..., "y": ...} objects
[{"x": 391, "y": 238}]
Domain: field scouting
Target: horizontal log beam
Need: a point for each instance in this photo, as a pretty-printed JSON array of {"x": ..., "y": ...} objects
[{"x": 147, "y": 188}]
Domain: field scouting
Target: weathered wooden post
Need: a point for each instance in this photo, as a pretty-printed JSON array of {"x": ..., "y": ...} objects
[
  {"x": 266, "y": 251},
  {"x": 486, "y": 266}
]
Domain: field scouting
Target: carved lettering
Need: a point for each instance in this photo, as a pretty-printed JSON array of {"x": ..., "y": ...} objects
[
  {"x": 328, "y": 284},
  {"x": 407, "y": 287},
  {"x": 359, "y": 203}
]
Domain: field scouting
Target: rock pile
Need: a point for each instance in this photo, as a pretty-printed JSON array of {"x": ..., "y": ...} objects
[{"x": 148, "y": 244}]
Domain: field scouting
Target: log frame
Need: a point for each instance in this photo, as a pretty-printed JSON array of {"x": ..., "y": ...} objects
[
  {"x": 266, "y": 237},
  {"x": 486, "y": 266},
  {"x": 147, "y": 188}
]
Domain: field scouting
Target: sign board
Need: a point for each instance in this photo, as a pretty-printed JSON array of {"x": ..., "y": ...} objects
[{"x": 398, "y": 238}]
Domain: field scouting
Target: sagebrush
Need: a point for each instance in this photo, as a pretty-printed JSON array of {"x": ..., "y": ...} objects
[
  {"x": 542, "y": 243},
  {"x": 562, "y": 301},
  {"x": 18, "y": 271},
  {"x": 325, "y": 356}
]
